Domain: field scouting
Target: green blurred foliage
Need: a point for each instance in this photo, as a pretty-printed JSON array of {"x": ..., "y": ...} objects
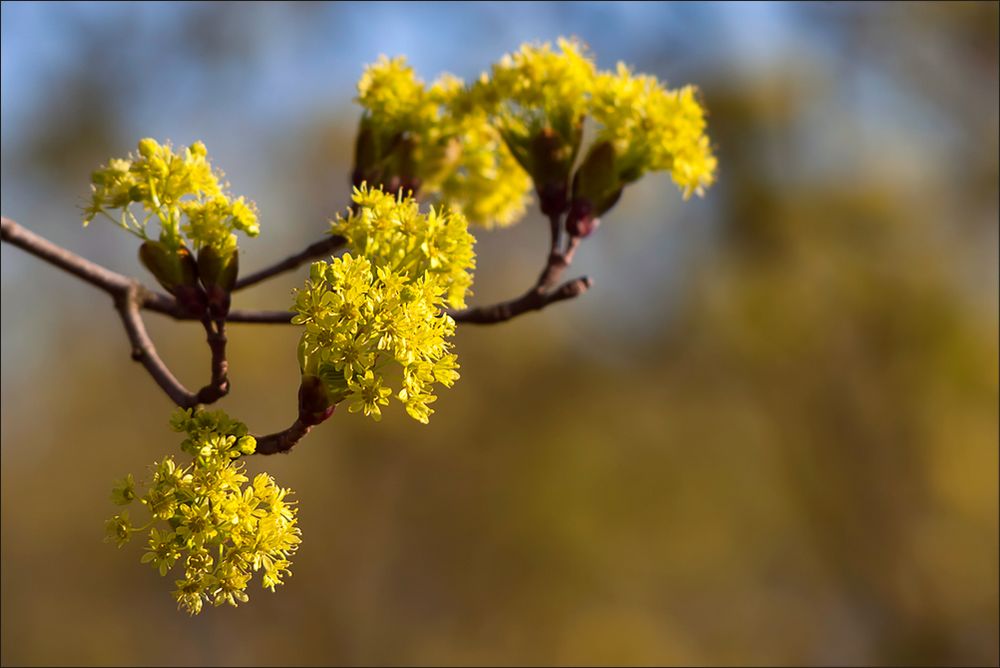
[{"x": 794, "y": 462}]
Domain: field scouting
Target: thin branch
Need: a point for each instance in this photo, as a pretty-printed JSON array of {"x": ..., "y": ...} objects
[
  {"x": 544, "y": 292},
  {"x": 129, "y": 296},
  {"x": 260, "y": 317},
  {"x": 143, "y": 350},
  {"x": 105, "y": 279},
  {"x": 282, "y": 441},
  {"x": 312, "y": 252},
  {"x": 114, "y": 283},
  {"x": 168, "y": 306},
  {"x": 533, "y": 300},
  {"x": 218, "y": 386}
]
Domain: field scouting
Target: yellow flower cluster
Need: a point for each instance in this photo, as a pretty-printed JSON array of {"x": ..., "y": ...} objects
[
  {"x": 360, "y": 318},
  {"x": 382, "y": 304},
  {"x": 463, "y": 145},
  {"x": 537, "y": 90},
  {"x": 429, "y": 139},
  {"x": 170, "y": 187},
  {"x": 652, "y": 128},
  {"x": 391, "y": 231},
  {"x": 206, "y": 517},
  {"x": 486, "y": 183}
]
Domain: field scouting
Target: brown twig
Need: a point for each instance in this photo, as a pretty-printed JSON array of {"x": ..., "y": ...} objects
[
  {"x": 166, "y": 305},
  {"x": 105, "y": 279},
  {"x": 544, "y": 292},
  {"x": 260, "y": 317},
  {"x": 312, "y": 252},
  {"x": 218, "y": 386},
  {"x": 129, "y": 296},
  {"x": 532, "y": 300},
  {"x": 282, "y": 441},
  {"x": 143, "y": 351}
]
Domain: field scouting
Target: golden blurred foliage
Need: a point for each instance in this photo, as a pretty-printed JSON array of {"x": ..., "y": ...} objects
[{"x": 794, "y": 462}]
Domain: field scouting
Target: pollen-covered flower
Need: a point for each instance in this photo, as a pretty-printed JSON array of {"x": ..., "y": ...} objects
[
  {"x": 539, "y": 87},
  {"x": 209, "y": 518},
  {"x": 119, "y": 529},
  {"x": 123, "y": 492}
]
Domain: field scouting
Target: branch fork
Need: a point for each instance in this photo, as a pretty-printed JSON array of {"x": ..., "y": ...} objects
[{"x": 130, "y": 297}]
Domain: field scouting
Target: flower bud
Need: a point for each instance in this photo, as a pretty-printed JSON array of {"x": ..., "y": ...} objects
[
  {"x": 402, "y": 176},
  {"x": 172, "y": 267},
  {"x": 581, "y": 221},
  {"x": 148, "y": 147}
]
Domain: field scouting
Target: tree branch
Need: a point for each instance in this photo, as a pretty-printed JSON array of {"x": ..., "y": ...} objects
[
  {"x": 105, "y": 279},
  {"x": 545, "y": 291},
  {"x": 129, "y": 296},
  {"x": 143, "y": 351},
  {"x": 313, "y": 251},
  {"x": 260, "y": 317},
  {"x": 534, "y": 299},
  {"x": 218, "y": 386},
  {"x": 282, "y": 441}
]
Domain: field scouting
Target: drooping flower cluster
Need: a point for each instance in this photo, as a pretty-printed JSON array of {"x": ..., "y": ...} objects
[
  {"x": 172, "y": 187},
  {"x": 209, "y": 518},
  {"x": 414, "y": 137},
  {"x": 382, "y": 304}
]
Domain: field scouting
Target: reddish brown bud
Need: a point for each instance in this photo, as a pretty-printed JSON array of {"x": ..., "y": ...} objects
[
  {"x": 597, "y": 180},
  {"x": 581, "y": 221},
  {"x": 552, "y": 198},
  {"x": 192, "y": 299},
  {"x": 314, "y": 403},
  {"x": 551, "y": 162}
]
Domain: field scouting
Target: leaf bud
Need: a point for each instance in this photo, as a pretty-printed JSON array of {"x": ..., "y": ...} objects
[
  {"x": 596, "y": 188},
  {"x": 176, "y": 270},
  {"x": 217, "y": 271}
]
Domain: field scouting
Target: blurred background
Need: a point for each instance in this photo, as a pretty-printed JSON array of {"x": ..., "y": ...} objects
[{"x": 768, "y": 435}]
